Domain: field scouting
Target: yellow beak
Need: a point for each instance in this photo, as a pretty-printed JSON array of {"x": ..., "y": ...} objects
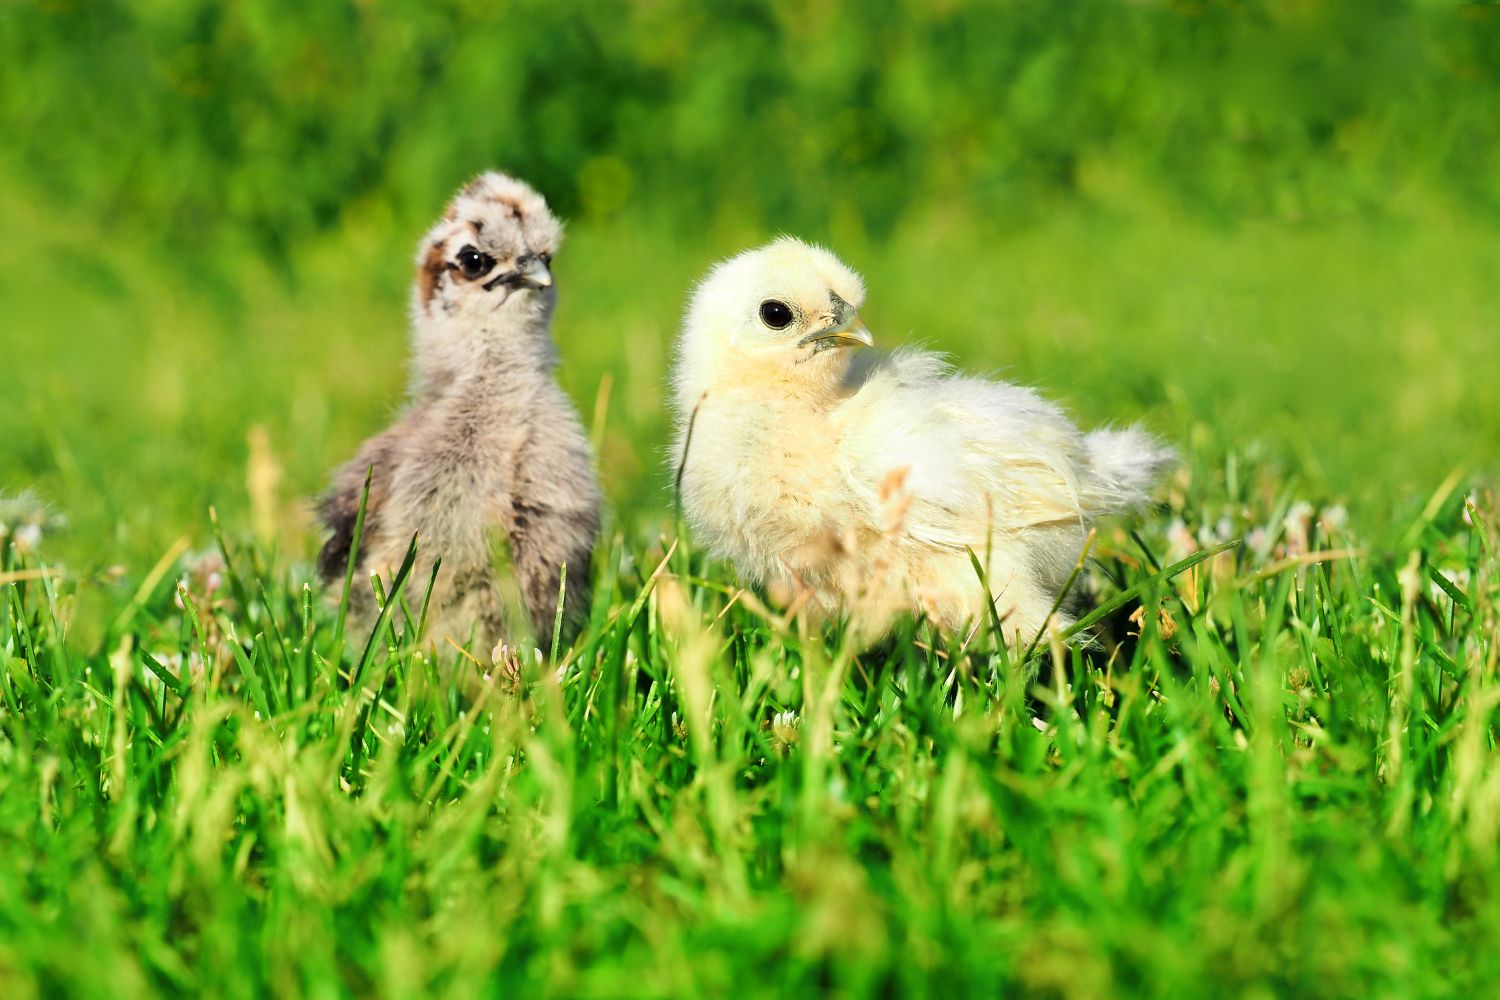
[{"x": 849, "y": 334}]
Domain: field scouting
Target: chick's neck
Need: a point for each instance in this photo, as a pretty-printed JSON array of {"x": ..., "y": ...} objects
[
  {"x": 811, "y": 381},
  {"x": 493, "y": 356}
]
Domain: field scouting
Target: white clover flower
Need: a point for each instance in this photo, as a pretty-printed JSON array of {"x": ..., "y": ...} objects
[
  {"x": 506, "y": 663},
  {"x": 1259, "y": 540},
  {"x": 1212, "y": 534},
  {"x": 28, "y": 537},
  {"x": 202, "y": 576},
  {"x": 1335, "y": 518},
  {"x": 785, "y": 729},
  {"x": 25, "y": 519},
  {"x": 1180, "y": 540},
  {"x": 1296, "y": 523}
]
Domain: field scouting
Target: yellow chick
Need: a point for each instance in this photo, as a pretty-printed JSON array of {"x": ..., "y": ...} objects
[{"x": 864, "y": 484}]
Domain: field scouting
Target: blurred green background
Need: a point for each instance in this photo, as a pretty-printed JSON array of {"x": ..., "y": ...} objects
[{"x": 1267, "y": 229}]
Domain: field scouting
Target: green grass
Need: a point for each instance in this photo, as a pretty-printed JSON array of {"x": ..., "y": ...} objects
[
  {"x": 1294, "y": 793},
  {"x": 1267, "y": 231}
]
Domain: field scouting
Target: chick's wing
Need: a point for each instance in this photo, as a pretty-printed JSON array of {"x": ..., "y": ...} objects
[{"x": 957, "y": 459}]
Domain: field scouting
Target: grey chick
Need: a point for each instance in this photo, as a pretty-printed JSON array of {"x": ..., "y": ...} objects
[{"x": 489, "y": 449}]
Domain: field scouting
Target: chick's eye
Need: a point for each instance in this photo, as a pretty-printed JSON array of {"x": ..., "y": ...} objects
[
  {"x": 473, "y": 263},
  {"x": 776, "y": 315}
]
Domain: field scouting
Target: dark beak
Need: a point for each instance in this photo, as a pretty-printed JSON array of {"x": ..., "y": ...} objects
[{"x": 530, "y": 272}]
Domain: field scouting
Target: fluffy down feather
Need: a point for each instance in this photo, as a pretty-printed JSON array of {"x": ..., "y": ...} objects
[
  {"x": 867, "y": 486},
  {"x": 489, "y": 451}
]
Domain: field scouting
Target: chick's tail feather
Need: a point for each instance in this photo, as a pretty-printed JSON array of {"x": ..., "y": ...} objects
[{"x": 1126, "y": 464}]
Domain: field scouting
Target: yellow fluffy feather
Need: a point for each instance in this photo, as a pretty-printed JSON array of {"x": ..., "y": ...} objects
[{"x": 865, "y": 482}]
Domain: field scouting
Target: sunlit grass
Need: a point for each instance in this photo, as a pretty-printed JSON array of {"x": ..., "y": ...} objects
[
  {"x": 1287, "y": 782},
  {"x": 1267, "y": 231},
  {"x": 1283, "y": 782}
]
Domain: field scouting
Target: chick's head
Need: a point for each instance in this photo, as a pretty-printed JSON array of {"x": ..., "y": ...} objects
[
  {"x": 788, "y": 307},
  {"x": 491, "y": 251}
]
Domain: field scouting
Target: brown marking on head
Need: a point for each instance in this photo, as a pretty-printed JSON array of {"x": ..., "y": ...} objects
[
  {"x": 430, "y": 273},
  {"x": 501, "y": 217},
  {"x": 473, "y": 188}
]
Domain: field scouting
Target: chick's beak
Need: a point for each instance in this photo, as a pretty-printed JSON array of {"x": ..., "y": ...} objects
[
  {"x": 848, "y": 332},
  {"x": 530, "y": 271},
  {"x": 534, "y": 271}
]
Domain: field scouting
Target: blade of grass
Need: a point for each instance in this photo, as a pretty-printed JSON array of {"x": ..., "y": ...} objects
[
  {"x": 1130, "y": 593},
  {"x": 354, "y": 542}
]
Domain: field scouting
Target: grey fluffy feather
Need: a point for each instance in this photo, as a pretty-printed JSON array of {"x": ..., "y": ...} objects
[{"x": 489, "y": 448}]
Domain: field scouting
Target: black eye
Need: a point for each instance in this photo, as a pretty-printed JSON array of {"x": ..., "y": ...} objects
[
  {"x": 776, "y": 315},
  {"x": 473, "y": 263}
]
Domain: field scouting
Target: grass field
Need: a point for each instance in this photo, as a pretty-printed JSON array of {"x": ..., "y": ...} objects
[{"x": 1274, "y": 773}]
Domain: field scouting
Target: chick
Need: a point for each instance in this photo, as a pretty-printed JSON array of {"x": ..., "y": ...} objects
[
  {"x": 866, "y": 486},
  {"x": 489, "y": 449}
]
